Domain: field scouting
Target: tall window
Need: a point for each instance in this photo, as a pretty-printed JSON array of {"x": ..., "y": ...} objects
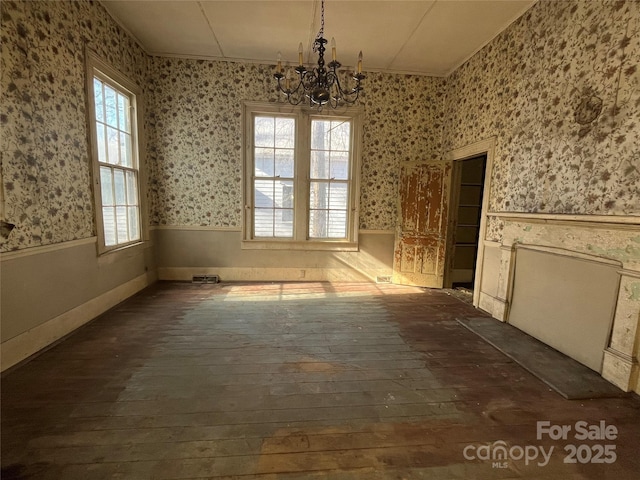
[
  {"x": 301, "y": 178},
  {"x": 116, "y": 165},
  {"x": 273, "y": 153},
  {"x": 330, "y": 178}
]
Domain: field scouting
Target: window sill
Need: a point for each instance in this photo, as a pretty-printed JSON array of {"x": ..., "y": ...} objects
[
  {"x": 327, "y": 245},
  {"x": 124, "y": 251}
]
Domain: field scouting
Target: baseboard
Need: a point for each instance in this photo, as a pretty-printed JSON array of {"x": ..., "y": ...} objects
[
  {"x": 249, "y": 274},
  {"x": 494, "y": 306},
  {"x": 21, "y": 347},
  {"x": 621, "y": 370}
]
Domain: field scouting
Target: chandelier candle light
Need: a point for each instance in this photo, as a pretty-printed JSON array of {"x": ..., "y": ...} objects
[{"x": 321, "y": 85}]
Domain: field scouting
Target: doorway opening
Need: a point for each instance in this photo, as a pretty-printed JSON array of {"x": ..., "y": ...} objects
[{"x": 467, "y": 189}]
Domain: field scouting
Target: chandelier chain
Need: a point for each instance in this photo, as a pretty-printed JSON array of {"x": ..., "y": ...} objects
[
  {"x": 322, "y": 84},
  {"x": 321, "y": 32}
]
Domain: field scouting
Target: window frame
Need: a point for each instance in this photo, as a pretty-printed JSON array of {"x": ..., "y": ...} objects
[
  {"x": 302, "y": 181},
  {"x": 96, "y": 67}
]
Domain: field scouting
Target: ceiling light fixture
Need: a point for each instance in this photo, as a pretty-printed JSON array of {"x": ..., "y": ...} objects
[{"x": 321, "y": 85}]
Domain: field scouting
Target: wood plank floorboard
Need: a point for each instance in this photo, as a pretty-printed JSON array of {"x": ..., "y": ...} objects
[{"x": 292, "y": 381}]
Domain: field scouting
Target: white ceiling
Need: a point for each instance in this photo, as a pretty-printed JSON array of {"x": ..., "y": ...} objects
[{"x": 426, "y": 37}]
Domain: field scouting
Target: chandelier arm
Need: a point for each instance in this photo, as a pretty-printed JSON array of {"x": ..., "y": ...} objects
[
  {"x": 321, "y": 85},
  {"x": 290, "y": 93},
  {"x": 347, "y": 94},
  {"x": 310, "y": 79}
]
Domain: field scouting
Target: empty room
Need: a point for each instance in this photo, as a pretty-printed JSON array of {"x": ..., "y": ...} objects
[{"x": 308, "y": 239}]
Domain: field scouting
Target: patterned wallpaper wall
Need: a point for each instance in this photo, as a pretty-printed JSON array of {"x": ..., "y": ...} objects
[
  {"x": 45, "y": 159},
  {"x": 196, "y": 138},
  {"x": 403, "y": 122},
  {"x": 560, "y": 89}
]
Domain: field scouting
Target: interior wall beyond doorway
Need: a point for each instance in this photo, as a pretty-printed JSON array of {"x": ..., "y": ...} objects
[
  {"x": 465, "y": 211},
  {"x": 483, "y": 147}
]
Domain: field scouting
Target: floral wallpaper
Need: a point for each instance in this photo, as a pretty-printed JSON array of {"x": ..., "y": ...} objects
[
  {"x": 196, "y": 138},
  {"x": 560, "y": 88},
  {"x": 44, "y": 146},
  {"x": 403, "y": 122},
  {"x": 195, "y": 143}
]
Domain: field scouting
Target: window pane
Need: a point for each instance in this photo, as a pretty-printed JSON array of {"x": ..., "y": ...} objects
[
  {"x": 283, "y": 226},
  {"x": 264, "y": 128},
  {"x": 317, "y": 223},
  {"x": 263, "y": 159},
  {"x": 319, "y": 164},
  {"x": 134, "y": 230},
  {"x": 111, "y": 106},
  {"x": 109, "y": 221},
  {"x": 285, "y": 130},
  {"x": 106, "y": 186},
  {"x": 320, "y": 134},
  {"x": 337, "y": 224},
  {"x": 263, "y": 222},
  {"x": 327, "y": 224},
  {"x": 98, "y": 99},
  {"x": 123, "y": 114},
  {"x": 284, "y": 163},
  {"x": 340, "y": 165},
  {"x": 319, "y": 195},
  {"x": 338, "y": 196},
  {"x": 340, "y": 135},
  {"x": 113, "y": 146},
  {"x": 287, "y": 202},
  {"x": 102, "y": 143},
  {"x": 119, "y": 187},
  {"x": 264, "y": 193},
  {"x": 284, "y": 195},
  {"x": 121, "y": 224},
  {"x": 125, "y": 150},
  {"x": 132, "y": 189}
]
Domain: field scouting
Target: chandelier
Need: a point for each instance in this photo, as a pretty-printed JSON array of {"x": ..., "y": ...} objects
[{"x": 320, "y": 85}]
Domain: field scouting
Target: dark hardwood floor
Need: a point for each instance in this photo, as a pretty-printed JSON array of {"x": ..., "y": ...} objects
[{"x": 296, "y": 381}]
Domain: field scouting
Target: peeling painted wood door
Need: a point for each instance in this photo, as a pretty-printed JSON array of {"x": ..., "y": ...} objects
[{"x": 421, "y": 229}]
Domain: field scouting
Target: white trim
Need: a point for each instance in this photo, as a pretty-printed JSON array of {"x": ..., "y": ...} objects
[
  {"x": 24, "y": 345},
  {"x": 562, "y": 252},
  {"x": 2, "y": 207},
  {"x": 195, "y": 228},
  {"x": 492, "y": 243},
  {"x": 238, "y": 229},
  {"x": 494, "y": 305},
  {"x": 589, "y": 220},
  {"x": 26, "y": 252},
  {"x": 506, "y": 25},
  {"x": 265, "y": 63},
  {"x": 377, "y": 232},
  {"x": 620, "y": 369},
  {"x": 303, "y": 116},
  {"x": 123, "y": 27},
  {"x": 488, "y": 147},
  {"x": 299, "y": 245},
  {"x": 246, "y": 274},
  {"x": 96, "y": 67},
  {"x": 628, "y": 273}
]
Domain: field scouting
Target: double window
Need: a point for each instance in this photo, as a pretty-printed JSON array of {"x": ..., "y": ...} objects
[
  {"x": 113, "y": 121},
  {"x": 301, "y": 185}
]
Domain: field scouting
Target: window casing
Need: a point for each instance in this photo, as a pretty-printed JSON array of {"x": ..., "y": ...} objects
[
  {"x": 113, "y": 119},
  {"x": 301, "y": 185}
]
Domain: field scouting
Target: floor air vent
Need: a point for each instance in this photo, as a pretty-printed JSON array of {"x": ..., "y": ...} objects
[
  {"x": 383, "y": 279},
  {"x": 205, "y": 279}
]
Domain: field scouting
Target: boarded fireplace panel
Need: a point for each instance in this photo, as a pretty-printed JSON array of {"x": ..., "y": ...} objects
[{"x": 566, "y": 302}]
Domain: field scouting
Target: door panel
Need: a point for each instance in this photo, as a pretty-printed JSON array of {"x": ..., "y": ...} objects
[{"x": 421, "y": 227}]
